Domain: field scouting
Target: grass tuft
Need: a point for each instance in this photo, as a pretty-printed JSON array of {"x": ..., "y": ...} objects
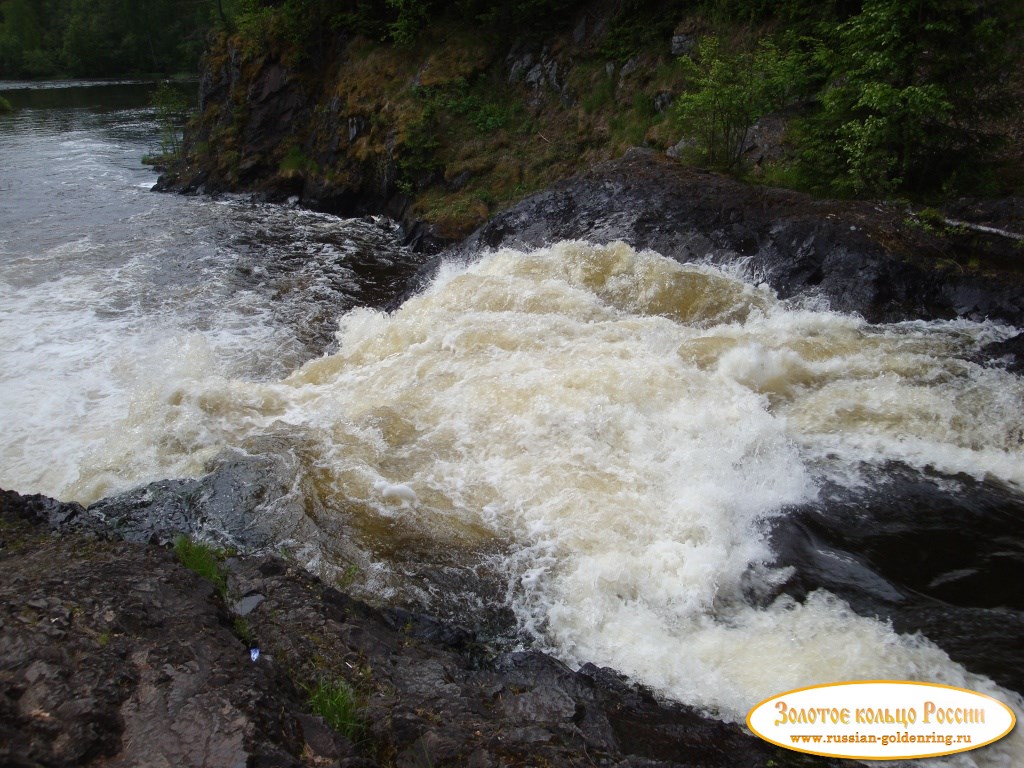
[
  {"x": 338, "y": 704},
  {"x": 203, "y": 560}
]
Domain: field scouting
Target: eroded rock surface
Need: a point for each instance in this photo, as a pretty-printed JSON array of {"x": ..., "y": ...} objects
[{"x": 112, "y": 653}]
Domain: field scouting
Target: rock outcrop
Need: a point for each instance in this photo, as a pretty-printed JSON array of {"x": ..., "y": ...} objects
[
  {"x": 112, "y": 653},
  {"x": 861, "y": 257}
]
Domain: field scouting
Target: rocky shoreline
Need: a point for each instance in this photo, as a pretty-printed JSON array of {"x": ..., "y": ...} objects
[
  {"x": 874, "y": 259},
  {"x": 886, "y": 262},
  {"x": 113, "y": 653}
]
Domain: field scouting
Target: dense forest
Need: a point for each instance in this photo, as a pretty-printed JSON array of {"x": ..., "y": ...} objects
[{"x": 104, "y": 38}]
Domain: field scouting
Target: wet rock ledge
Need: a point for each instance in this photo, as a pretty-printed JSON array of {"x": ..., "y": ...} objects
[
  {"x": 885, "y": 261},
  {"x": 112, "y": 653}
]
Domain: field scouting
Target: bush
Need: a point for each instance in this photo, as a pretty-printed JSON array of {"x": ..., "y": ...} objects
[
  {"x": 912, "y": 86},
  {"x": 412, "y": 17},
  {"x": 171, "y": 109},
  {"x": 727, "y": 92}
]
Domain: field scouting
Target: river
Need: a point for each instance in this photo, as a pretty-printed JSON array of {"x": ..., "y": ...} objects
[{"x": 656, "y": 467}]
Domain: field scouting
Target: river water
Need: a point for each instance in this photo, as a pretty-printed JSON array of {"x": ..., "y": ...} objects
[{"x": 620, "y": 459}]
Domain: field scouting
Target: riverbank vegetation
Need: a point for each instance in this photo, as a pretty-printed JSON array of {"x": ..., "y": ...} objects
[
  {"x": 106, "y": 38},
  {"x": 459, "y": 109}
]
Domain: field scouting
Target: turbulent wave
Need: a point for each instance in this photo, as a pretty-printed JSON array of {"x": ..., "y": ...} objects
[{"x": 612, "y": 431}]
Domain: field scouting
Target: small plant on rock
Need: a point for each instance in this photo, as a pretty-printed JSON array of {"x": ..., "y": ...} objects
[
  {"x": 338, "y": 704},
  {"x": 203, "y": 560},
  {"x": 171, "y": 110}
]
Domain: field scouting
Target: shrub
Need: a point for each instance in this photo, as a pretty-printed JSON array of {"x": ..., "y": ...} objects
[
  {"x": 728, "y": 91},
  {"x": 171, "y": 109},
  {"x": 911, "y": 87}
]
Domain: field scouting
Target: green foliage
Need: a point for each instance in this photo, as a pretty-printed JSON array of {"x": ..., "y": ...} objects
[
  {"x": 400, "y": 21},
  {"x": 44, "y": 38},
  {"x": 171, "y": 108},
  {"x": 348, "y": 577},
  {"x": 296, "y": 161},
  {"x": 412, "y": 17},
  {"x": 624, "y": 40},
  {"x": 793, "y": 12},
  {"x": 338, "y": 704},
  {"x": 418, "y": 155},
  {"x": 522, "y": 15},
  {"x": 782, "y": 174},
  {"x": 910, "y": 86},
  {"x": 601, "y": 95},
  {"x": 479, "y": 107},
  {"x": 632, "y": 28},
  {"x": 5, "y": 106},
  {"x": 244, "y": 631},
  {"x": 727, "y": 92},
  {"x": 203, "y": 560}
]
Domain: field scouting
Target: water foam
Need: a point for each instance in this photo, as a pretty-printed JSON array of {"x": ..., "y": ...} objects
[{"x": 620, "y": 427}]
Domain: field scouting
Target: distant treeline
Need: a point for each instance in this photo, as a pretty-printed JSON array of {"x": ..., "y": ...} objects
[{"x": 104, "y": 38}]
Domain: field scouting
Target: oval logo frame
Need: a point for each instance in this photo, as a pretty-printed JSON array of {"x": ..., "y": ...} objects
[{"x": 881, "y": 720}]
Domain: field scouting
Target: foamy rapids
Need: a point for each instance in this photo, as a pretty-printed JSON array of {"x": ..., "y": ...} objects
[{"x": 621, "y": 429}]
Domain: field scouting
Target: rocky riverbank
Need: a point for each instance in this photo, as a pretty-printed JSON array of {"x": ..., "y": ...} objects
[
  {"x": 113, "y": 653},
  {"x": 875, "y": 259}
]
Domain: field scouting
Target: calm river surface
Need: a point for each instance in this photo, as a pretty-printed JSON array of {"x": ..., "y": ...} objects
[{"x": 654, "y": 467}]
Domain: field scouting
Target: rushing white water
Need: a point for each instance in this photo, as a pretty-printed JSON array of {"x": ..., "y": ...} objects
[
  {"x": 610, "y": 430},
  {"x": 624, "y": 426},
  {"x": 112, "y": 293}
]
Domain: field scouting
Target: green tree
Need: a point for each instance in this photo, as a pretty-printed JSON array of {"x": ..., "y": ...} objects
[
  {"x": 171, "y": 109},
  {"x": 912, "y": 84},
  {"x": 727, "y": 92},
  {"x": 106, "y": 37}
]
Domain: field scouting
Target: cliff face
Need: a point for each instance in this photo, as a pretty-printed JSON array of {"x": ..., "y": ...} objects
[
  {"x": 447, "y": 130},
  {"x": 449, "y": 113}
]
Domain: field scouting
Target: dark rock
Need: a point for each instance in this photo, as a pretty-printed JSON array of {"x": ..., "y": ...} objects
[
  {"x": 146, "y": 673},
  {"x": 933, "y": 554},
  {"x": 662, "y": 101},
  {"x": 682, "y": 44},
  {"x": 518, "y": 64},
  {"x": 579, "y": 32},
  {"x": 1009, "y": 353},
  {"x": 858, "y": 256},
  {"x": 248, "y": 604},
  {"x": 322, "y": 740},
  {"x": 539, "y": 72},
  {"x": 149, "y": 672}
]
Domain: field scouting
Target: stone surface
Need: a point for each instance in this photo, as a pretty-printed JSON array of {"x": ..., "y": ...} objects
[
  {"x": 113, "y": 654},
  {"x": 859, "y": 256}
]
